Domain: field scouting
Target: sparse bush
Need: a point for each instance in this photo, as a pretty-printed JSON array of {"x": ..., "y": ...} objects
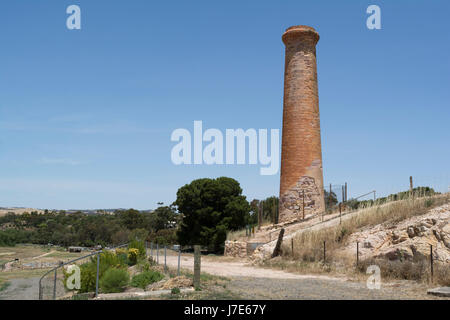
[
  {"x": 139, "y": 245},
  {"x": 108, "y": 259},
  {"x": 145, "y": 278},
  {"x": 152, "y": 261},
  {"x": 114, "y": 280},
  {"x": 133, "y": 254},
  {"x": 122, "y": 255},
  {"x": 428, "y": 203},
  {"x": 4, "y": 286},
  {"x": 442, "y": 274},
  {"x": 88, "y": 270},
  {"x": 175, "y": 291},
  {"x": 405, "y": 270}
]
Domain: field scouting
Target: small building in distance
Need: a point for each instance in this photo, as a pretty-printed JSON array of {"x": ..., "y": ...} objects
[{"x": 75, "y": 249}]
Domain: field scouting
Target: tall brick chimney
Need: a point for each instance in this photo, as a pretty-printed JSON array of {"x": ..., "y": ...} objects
[{"x": 301, "y": 153}]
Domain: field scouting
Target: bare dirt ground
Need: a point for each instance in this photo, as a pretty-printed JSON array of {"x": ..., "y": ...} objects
[
  {"x": 236, "y": 268},
  {"x": 251, "y": 282},
  {"x": 21, "y": 289}
]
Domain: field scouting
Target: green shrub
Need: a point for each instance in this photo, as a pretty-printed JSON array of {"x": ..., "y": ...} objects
[
  {"x": 145, "y": 278},
  {"x": 114, "y": 280},
  {"x": 88, "y": 277},
  {"x": 108, "y": 259},
  {"x": 133, "y": 255},
  {"x": 88, "y": 270},
  {"x": 123, "y": 257},
  {"x": 175, "y": 290},
  {"x": 144, "y": 265},
  {"x": 137, "y": 244}
]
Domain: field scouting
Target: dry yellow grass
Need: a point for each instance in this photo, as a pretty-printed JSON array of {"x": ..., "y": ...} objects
[
  {"x": 240, "y": 234},
  {"x": 308, "y": 246}
]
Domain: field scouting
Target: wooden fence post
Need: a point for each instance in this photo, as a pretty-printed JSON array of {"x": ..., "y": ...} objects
[
  {"x": 303, "y": 204},
  {"x": 357, "y": 253},
  {"x": 277, "y": 250},
  {"x": 431, "y": 262},
  {"x": 411, "y": 187},
  {"x": 346, "y": 192}
]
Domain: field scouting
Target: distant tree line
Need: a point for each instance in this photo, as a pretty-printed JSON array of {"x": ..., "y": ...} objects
[{"x": 80, "y": 229}]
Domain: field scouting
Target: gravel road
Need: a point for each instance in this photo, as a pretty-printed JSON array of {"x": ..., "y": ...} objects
[{"x": 250, "y": 282}]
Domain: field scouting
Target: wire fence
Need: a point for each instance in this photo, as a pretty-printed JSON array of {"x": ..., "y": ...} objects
[
  {"x": 52, "y": 287},
  {"x": 51, "y": 284},
  {"x": 167, "y": 255}
]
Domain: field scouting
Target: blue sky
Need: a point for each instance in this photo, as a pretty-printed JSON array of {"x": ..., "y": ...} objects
[{"x": 86, "y": 115}]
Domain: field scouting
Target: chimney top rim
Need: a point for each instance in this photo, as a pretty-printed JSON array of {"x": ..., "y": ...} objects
[
  {"x": 300, "y": 31},
  {"x": 301, "y": 28}
]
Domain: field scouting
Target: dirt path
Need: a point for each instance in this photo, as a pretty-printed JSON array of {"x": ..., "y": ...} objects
[
  {"x": 43, "y": 255},
  {"x": 251, "y": 282},
  {"x": 238, "y": 268}
]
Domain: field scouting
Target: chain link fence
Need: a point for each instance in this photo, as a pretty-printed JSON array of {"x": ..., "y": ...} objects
[
  {"x": 160, "y": 254},
  {"x": 51, "y": 284}
]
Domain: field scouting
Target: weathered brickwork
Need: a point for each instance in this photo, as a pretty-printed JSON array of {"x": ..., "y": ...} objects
[{"x": 301, "y": 157}]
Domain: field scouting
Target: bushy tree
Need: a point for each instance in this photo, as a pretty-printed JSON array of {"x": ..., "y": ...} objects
[
  {"x": 162, "y": 218},
  {"x": 210, "y": 208}
]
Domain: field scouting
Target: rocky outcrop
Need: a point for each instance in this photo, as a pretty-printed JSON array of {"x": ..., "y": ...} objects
[{"x": 410, "y": 239}]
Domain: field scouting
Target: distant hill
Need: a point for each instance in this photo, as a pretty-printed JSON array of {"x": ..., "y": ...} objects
[
  {"x": 4, "y": 211},
  {"x": 19, "y": 210}
]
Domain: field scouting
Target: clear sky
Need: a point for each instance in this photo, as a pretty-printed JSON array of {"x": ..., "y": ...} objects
[{"x": 86, "y": 115}]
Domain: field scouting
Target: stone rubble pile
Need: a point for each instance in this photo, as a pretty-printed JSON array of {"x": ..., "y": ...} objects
[{"x": 236, "y": 249}]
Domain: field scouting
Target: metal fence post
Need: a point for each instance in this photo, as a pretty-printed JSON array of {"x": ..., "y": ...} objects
[
  {"x": 98, "y": 271},
  {"x": 197, "y": 262},
  {"x": 165, "y": 258},
  {"x": 54, "y": 285},
  {"x": 179, "y": 259},
  {"x": 157, "y": 253}
]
